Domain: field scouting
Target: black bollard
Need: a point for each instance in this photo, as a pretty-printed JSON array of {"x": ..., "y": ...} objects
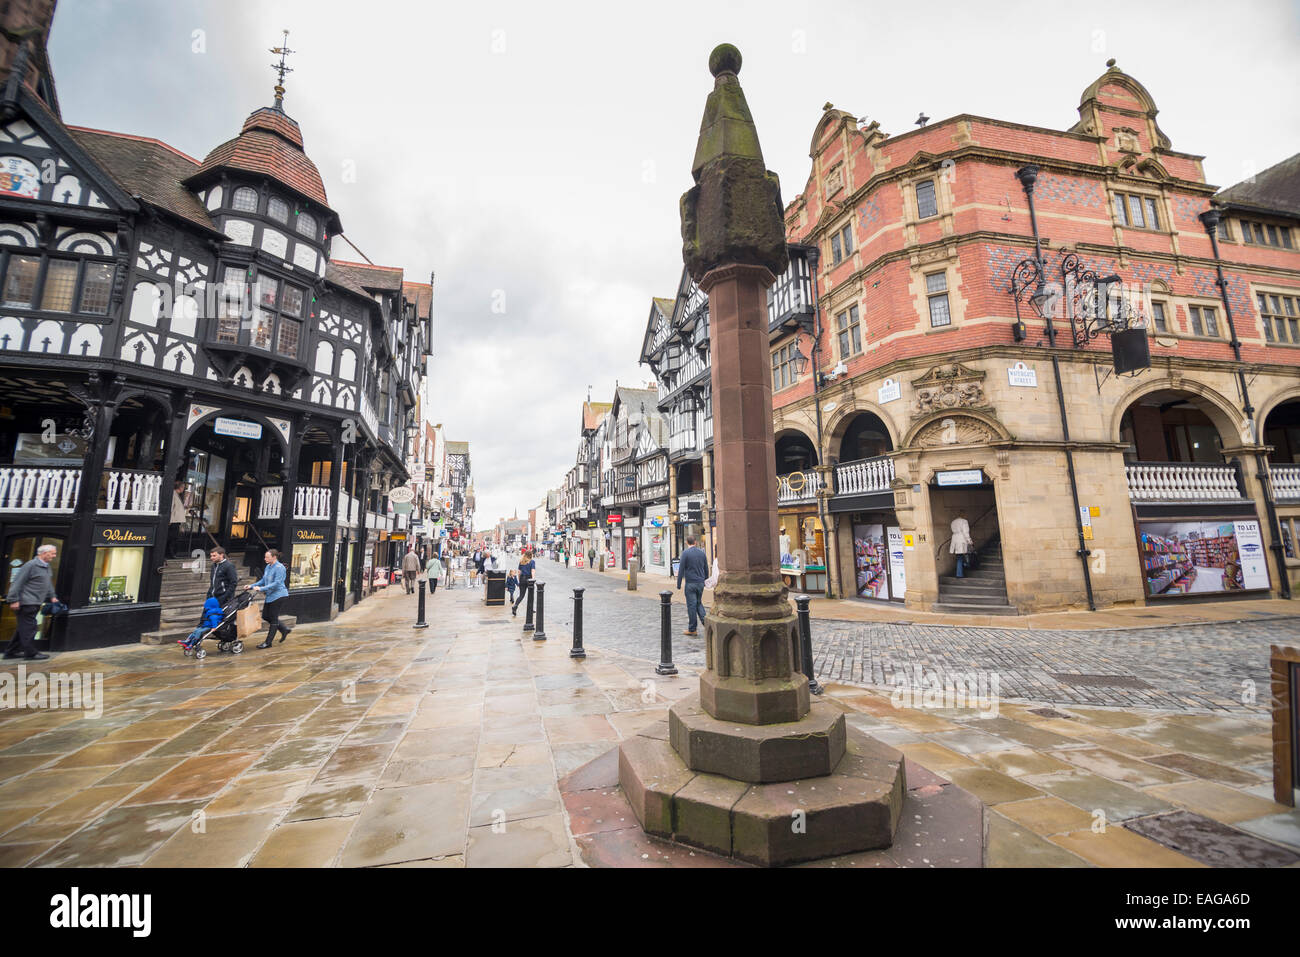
[
  {"x": 805, "y": 642},
  {"x": 540, "y": 633},
  {"x": 665, "y": 666},
  {"x": 577, "y": 650},
  {"x": 528, "y": 614},
  {"x": 421, "y": 623}
]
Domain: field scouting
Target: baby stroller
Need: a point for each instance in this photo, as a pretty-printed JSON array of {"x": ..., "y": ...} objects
[{"x": 222, "y": 630}]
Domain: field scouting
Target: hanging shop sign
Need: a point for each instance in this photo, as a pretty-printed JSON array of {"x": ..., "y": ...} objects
[
  {"x": 889, "y": 391},
  {"x": 397, "y": 537},
  {"x": 1023, "y": 376},
  {"x": 657, "y": 521},
  {"x": 237, "y": 428},
  {"x": 401, "y": 495},
  {"x": 1202, "y": 556},
  {"x": 615, "y": 518},
  {"x": 959, "y": 477},
  {"x": 123, "y": 535}
]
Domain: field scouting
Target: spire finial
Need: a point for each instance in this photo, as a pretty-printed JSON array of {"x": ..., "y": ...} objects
[{"x": 281, "y": 69}]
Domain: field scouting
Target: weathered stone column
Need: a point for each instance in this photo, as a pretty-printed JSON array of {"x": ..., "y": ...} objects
[
  {"x": 734, "y": 245},
  {"x": 751, "y": 753}
]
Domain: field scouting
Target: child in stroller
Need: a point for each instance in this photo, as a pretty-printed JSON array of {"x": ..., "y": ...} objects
[
  {"x": 210, "y": 619},
  {"x": 217, "y": 624}
]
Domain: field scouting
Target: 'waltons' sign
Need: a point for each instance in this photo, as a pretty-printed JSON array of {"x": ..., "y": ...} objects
[
  {"x": 123, "y": 535},
  {"x": 309, "y": 535}
]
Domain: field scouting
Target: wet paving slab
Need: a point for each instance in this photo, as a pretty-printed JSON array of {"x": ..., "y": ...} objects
[{"x": 359, "y": 744}]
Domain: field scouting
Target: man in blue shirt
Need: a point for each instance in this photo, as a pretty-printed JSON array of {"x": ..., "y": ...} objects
[{"x": 693, "y": 568}]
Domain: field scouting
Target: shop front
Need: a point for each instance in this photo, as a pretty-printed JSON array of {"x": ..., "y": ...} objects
[
  {"x": 1216, "y": 556},
  {"x": 870, "y": 560},
  {"x": 305, "y": 563},
  {"x": 654, "y": 540},
  {"x": 803, "y": 550}
]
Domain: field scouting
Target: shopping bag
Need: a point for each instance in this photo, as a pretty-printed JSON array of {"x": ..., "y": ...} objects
[{"x": 249, "y": 620}]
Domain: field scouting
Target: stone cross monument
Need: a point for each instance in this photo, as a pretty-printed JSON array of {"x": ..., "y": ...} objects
[{"x": 750, "y": 767}]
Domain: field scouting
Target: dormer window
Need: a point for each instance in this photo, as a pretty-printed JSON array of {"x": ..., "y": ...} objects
[
  {"x": 278, "y": 209},
  {"x": 307, "y": 226},
  {"x": 245, "y": 200}
]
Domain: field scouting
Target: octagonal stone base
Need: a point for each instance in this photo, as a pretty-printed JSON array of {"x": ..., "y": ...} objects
[
  {"x": 758, "y": 753},
  {"x": 854, "y": 808}
]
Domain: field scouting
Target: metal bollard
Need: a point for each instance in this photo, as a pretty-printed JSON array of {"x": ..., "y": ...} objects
[
  {"x": 540, "y": 633},
  {"x": 528, "y": 614},
  {"x": 421, "y": 623},
  {"x": 805, "y": 642},
  {"x": 577, "y": 650},
  {"x": 665, "y": 666}
]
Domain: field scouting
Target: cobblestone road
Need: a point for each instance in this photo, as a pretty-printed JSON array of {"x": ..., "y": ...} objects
[{"x": 1193, "y": 667}]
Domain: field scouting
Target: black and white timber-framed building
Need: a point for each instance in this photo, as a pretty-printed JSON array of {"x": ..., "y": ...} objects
[{"x": 164, "y": 318}]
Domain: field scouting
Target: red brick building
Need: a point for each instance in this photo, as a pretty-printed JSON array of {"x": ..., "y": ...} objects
[{"x": 925, "y": 402}]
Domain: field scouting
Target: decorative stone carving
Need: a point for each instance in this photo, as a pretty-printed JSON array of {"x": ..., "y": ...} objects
[
  {"x": 955, "y": 430},
  {"x": 948, "y": 386},
  {"x": 1126, "y": 140}
]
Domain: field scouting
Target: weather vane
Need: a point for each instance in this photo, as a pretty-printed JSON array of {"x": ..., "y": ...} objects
[{"x": 281, "y": 69}]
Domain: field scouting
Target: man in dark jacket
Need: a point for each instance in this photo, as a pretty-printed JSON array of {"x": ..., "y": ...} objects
[
  {"x": 30, "y": 588},
  {"x": 693, "y": 568},
  {"x": 225, "y": 580}
]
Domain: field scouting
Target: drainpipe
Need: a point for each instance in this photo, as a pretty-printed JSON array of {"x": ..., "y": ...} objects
[
  {"x": 813, "y": 255},
  {"x": 1028, "y": 175},
  {"x": 1210, "y": 220}
]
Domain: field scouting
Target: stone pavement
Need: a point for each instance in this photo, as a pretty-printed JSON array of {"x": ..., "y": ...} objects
[
  {"x": 1214, "y": 665},
  {"x": 854, "y": 609},
  {"x": 364, "y": 742}
]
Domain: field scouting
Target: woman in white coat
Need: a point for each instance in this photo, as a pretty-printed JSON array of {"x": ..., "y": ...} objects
[{"x": 961, "y": 542}]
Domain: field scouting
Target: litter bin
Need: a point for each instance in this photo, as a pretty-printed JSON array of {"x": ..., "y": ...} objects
[{"x": 494, "y": 588}]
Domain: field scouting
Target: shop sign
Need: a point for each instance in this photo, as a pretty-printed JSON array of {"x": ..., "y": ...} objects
[
  {"x": 657, "y": 521},
  {"x": 1023, "y": 376},
  {"x": 237, "y": 428},
  {"x": 889, "y": 391},
  {"x": 123, "y": 535},
  {"x": 403, "y": 508},
  {"x": 1254, "y": 568},
  {"x": 397, "y": 537},
  {"x": 307, "y": 536},
  {"x": 959, "y": 477},
  {"x": 402, "y": 494},
  {"x": 897, "y": 571},
  {"x": 615, "y": 518}
]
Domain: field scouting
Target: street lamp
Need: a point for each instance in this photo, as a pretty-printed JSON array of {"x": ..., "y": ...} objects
[{"x": 799, "y": 361}]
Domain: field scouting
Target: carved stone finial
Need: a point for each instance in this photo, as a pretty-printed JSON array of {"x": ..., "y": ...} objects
[
  {"x": 733, "y": 214},
  {"x": 1111, "y": 63}
]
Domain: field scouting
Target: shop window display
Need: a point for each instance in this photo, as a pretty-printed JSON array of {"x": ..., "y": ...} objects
[
  {"x": 116, "y": 578},
  {"x": 304, "y": 566},
  {"x": 1186, "y": 558}
]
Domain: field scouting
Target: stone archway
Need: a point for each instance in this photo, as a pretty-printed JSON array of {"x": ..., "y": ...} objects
[{"x": 1228, "y": 421}]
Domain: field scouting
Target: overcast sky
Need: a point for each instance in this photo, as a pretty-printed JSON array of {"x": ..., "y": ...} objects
[{"x": 532, "y": 154}]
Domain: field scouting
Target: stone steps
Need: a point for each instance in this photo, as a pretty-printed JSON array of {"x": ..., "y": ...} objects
[
  {"x": 965, "y": 608},
  {"x": 981, "y": 591}
]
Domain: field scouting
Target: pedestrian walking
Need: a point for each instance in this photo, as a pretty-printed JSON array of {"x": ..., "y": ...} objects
[
  {"x": 512, "y": 582},
  {"x": 433, "y": 570},
  {"x": 565, "y": 552},
  {"x": 30, "y": 588},
  {"x": 272, "y": 583},
  {"x": 961, "y": 542},
  {"x": 693, "y": 569},
  {"x": 526, "y": 569},
  {"x": 410, "y": 569},
  {"x": 225, "y": 578},
  {"x": 480, "y": 565}
]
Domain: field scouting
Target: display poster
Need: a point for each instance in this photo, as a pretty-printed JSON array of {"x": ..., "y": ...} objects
[
  {"x": 657, "y": 548},
  {"x": 1250, "y": 546},
  {"x": 870, "y": 561},
  {"x": 897, "y": 571},
  {"x": 1202, "y": 557}
]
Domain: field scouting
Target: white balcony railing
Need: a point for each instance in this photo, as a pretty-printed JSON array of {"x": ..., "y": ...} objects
[
  {"x": 37, "y": 490},
  {"x": 1286, "y": 482},
  {"x": 54, "y": 491},
  {"x": 1182, "y": 482},
  {"x": 682, "y": 441},
  {"x": 864, "y": 475},
  {"x": 349, "y": 509},
  {"x": 311, "y": 503},
  {"x": 802, "y": 491},
  {"x": 128, "y": 492},
  {"x": 272, "y": 497}
]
